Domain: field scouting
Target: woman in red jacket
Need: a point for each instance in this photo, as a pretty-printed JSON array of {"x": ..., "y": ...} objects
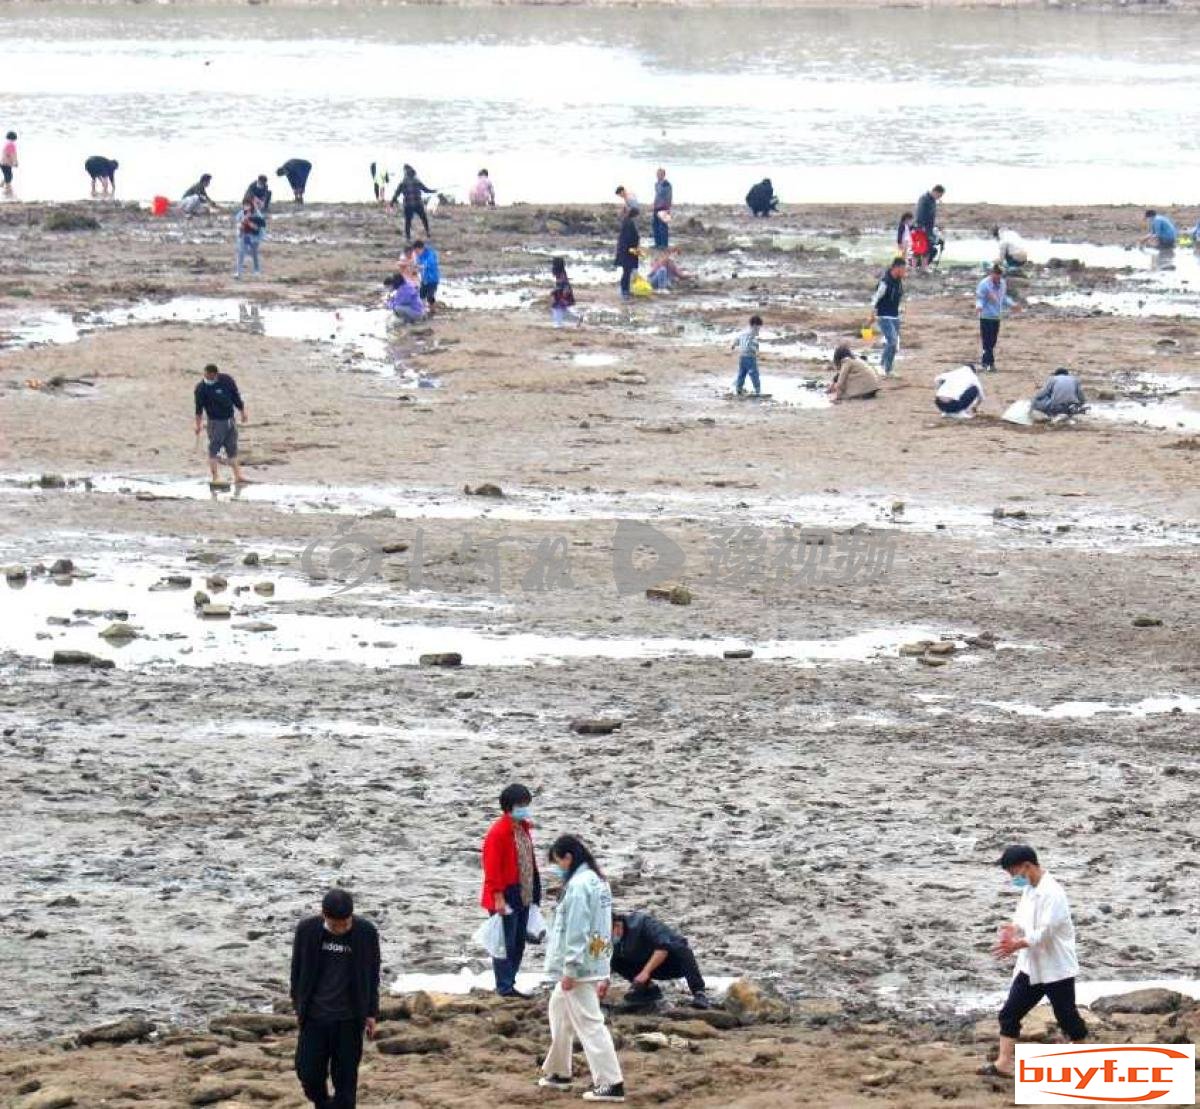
[{"x": 511, "y": 883}]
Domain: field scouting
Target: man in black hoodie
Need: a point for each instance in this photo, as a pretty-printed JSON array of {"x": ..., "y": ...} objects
[
  {"x": 645, "y": 951},
  {"x": 335, "y": 991}
]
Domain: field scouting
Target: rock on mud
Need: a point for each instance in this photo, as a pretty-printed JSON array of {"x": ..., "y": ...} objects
[
  {"x": 1150, "y": 1001},
  {"x": 216, "y": 612},
  {"x": 599, "y": 726},
  {"x": 212, "y": 1092},
  {"x": 81, "y": 658},
  {"x": 751, "y": 1003},
  {"x": 119, "y": 632},
  {"x": 442, "y": 658},
  {"x": 673, "y": 594},
  {"x": 414, "y": 1045},
  {"x": 52, "y": 481},
  {"x": 260, "y": 1024},
  {"x": 120, "y": 1032},
  {"x": 1147, "y": 622},
  {"x": 487, "y": 489},
  {"x": 740, "y": 652}
]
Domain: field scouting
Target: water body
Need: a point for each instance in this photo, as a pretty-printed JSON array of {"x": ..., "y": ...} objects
[{"x": 561, "y": 104}]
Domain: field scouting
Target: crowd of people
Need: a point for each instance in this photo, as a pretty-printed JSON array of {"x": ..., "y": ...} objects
[{"x": 335, "y": 971}]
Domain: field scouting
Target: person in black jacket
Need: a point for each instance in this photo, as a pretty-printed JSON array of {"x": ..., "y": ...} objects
[
  {"x": 259, "y": 193},
  {"x": 414, "y": 191},
  {"x": 335, "y": 991},
  {"x": 761, "y": 198},
  {"x": 103, "y": 172},
  {"x": 216, "y": 398},
  {"x": 296, "y": 170},
  {"x": 926, "y": 219},
  {"x": 644, "y": 951},
  {"x": 627, "y": 250}
]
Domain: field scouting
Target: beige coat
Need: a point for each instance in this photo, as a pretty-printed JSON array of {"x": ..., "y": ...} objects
[{"x": 854, "y": 379}]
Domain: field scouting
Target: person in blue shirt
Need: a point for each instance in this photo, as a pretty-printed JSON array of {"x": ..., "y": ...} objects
[
  {"x": 1162, "y": 233},
  {"x": 991, "y": 302},
  {"x": 427, "y": 262}
]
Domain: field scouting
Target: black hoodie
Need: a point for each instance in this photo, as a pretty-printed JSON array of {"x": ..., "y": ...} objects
[{"x": 364, "y": 970}]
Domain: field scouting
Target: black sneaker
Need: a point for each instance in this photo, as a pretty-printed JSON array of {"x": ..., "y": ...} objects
[
  {"x": 615, "y": 1092},
  {"x": 700, "y": 1000},
  {"x": 555, "y": 1082}
]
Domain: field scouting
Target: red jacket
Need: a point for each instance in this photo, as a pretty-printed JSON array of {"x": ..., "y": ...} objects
[{"x": 500, "y": 868}]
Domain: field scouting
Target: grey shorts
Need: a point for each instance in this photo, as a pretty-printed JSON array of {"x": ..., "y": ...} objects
[{"x": 222, "y": 434}]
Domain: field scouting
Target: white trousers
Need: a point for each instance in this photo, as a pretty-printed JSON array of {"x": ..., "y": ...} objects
[{"x": 574, "y": 1013}]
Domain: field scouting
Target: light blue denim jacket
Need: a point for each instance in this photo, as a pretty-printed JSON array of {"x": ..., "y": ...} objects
[{"x": 580, "y": 943}]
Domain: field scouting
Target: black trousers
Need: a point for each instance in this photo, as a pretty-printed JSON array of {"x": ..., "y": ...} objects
[
  {"x": 677, "y": 964},
  {"x": 1023, "y": 996},
  {"x": 411, "y": 210},
  {"x": 989, "y": 332},
  {"x": 628, "y": 269},
  {"x": 330, "y": 1050}
]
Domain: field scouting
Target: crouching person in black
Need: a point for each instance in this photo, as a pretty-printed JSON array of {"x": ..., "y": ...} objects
[
  {"x": 645, "y": 951},
  {"x": 335, "y": 989}
]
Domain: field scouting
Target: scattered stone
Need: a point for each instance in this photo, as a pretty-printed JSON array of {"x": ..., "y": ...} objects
[
  {"x": 62, "y": 566},
  {"x": 216, "y": 612},
  {"x": 414, "y": 1045},
  {"x": 52, "y": 481},
  {"x": 250, "y": 559},
  {"x": 985, "y": 641},
  {"x": 942, "y": 647},
  {"x": 119, "y": 633},
  {"x": 442, "y": 658},
  {"x": 1147, "y": 622},
  {"x": 1009, "y": 514},
  {"x": 255, "y": 626},
  {"x": 49, "y": 1099},
  {"x": 652, "y": 1041},
  {"x": 915, "y": 650},
  {"x": 217, "y": 582},
  {"x": 883, "y": 1078},
  {"x": 752, "y": 1003},
  {"x": 933, "y": 660},
  {"x": 81, "y": 658},
  {"x": 201, "y": 1051},
  {"x": 264, "y": 588},
  {"x": 674, "y": 594},
  {"x": 261, "y": 1024},
  {"x": 172, "y": 581},
  {"x": 897, "y": 508},
  {"x": 213, "y": 1092},
  {"x": 690, "y": 1029},
  {"x": 16, "y": 573},
  {"x": 487, "y": 489},
  {"x": 394, "y": 548},
  {"x": 1155, "y": 1000},
  {"x": 200, "y": 598},
  {"x": 119, "y": 1032},
  {"x": 71, "y": 221},
  {"x": 599, "y": 726},
  {"x": 740, "y": 652}
]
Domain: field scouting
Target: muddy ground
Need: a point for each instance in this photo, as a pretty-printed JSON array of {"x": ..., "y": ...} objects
[{"x": 827, "y": 819}]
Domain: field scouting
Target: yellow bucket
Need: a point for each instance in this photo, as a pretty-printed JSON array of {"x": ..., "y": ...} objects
[{"x": 867, "y": 333}]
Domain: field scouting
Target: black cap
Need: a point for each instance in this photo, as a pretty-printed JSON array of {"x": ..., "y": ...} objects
[
  {"x": 1017, "y": 854},
  {"x": 337, "y": 904}
]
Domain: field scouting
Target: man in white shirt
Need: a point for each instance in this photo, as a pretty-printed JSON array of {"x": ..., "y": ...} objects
[
  {"x": 1043, "y": 939},
  {"x": 958, "y": 392}
]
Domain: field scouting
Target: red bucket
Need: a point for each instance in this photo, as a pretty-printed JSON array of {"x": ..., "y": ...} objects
[{"x": 159, "y": 206}]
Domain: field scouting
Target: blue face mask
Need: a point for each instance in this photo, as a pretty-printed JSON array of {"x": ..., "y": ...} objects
[
  {"x": 520, "y": 812},
  {"x": 1020, "y": 881},
  {"x": 559, "y": 872}
]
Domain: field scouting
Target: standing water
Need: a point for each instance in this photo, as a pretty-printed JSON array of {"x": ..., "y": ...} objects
[{"x": 562, "y": 104}]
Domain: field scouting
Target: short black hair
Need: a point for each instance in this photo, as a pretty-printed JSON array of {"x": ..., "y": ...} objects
[
  {"x": 938, "y": 189},
  {"x": 841, "y": 354},
  {"x": 1060, "y": 371},
  {"x": 482, "y": 173},
  {"x": 997, "y": 268},
  {"x": 418, "y": 244},
  {"x": 996, "y": 232},
  {"x": 898, "y": 261},
  {"x": 11, "y": 136},
  {"x": 211, "y": 368},
  {"x": 620, "y": 190},
  {"x": 756, "y": 321},
  {"x": 1150, "y": 213},
  {"x": 262, "y": 178},
  {"x": 1017, "y": 854},
  {"x": 337, "y": 904},
  {"x": 514, "y": 795},
  {"x": 205, "y": 177}
]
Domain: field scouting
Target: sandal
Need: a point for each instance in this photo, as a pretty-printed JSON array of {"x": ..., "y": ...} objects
[{"x": 990, "y": 1070}]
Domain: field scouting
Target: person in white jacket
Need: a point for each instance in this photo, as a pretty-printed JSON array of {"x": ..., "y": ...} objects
[
  {"x": 958, "y": 392},
  {"x": 578, "y": 958},
  {"x": 1042, "y": 936}
]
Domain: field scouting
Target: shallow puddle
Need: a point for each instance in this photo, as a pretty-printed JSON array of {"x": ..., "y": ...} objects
[{"x": 1086, "y": 710}]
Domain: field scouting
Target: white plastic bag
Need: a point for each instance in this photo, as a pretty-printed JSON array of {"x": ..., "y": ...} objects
[
  {"x": 1019, "y": 412},
  {"x": 535, "y": 930},
  {"x": 490, "y": 936}
]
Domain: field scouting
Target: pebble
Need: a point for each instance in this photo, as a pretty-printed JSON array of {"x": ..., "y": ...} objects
[
  {"x": 599, "y": 726},
  {"x": 81, "y": 658},
  {"x": 119, "y": 1032},
  {"x": 442, "y": 658},
  {"x": 216, "y": 612}
]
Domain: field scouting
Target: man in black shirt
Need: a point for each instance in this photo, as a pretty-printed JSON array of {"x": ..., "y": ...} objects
[
  {"x": 216, "y": 397},
  {"x": 335, "y": 990},
  {"x": 413, "y": 189},
  {"x": 259, "y": 192},
  {"x": 646, "y": 950}
]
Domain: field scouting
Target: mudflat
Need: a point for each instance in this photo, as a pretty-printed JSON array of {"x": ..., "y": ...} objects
[{"x": 963, "y": 633}]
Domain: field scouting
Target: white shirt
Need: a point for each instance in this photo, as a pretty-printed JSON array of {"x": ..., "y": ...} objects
[
  {"x": 952, "y": 385},
  {"x": 1044, "y": 916},
  {"x": 1013, "y": 246}
]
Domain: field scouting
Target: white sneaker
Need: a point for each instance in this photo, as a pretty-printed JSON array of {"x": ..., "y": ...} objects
[{"x": 555, "y": 1082}]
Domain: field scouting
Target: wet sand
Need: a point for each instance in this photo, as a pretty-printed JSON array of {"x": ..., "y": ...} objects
[{"x": 170, "y": 818}]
